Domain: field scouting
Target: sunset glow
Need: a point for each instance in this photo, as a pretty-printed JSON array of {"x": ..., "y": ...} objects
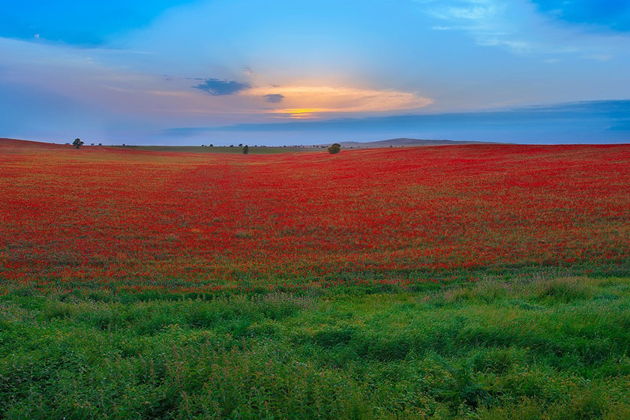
[{"x": 299, "y": 101}]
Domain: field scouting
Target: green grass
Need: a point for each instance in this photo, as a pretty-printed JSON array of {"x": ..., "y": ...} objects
[
  {"x": 226, "y": 149},
  {"x": 532, "y": 347}
]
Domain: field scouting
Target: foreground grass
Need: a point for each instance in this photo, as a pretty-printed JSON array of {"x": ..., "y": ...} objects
[{"x": 533, "y": 347}]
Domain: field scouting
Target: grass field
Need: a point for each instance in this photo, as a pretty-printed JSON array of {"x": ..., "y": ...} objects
[
  {"x": 482, "y": 281},
  {"x": 224, "y": 149}
]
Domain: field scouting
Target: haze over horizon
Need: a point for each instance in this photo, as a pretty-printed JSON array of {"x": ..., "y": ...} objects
[{"x": 279, "y": 72}]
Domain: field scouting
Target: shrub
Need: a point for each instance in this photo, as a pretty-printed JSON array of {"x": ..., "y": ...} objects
[{"x": 334, "y": 148}]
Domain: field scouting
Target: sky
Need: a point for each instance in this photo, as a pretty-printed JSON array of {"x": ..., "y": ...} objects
[{"x": 296, "y": 72}]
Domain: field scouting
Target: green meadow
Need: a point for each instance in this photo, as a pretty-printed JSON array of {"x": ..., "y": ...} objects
[{"x": 529, "y": 347}]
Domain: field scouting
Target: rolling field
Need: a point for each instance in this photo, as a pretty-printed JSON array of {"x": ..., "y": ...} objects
[
  {"x": 474, "y": 281},
  {"x": 223, "y": 149}
]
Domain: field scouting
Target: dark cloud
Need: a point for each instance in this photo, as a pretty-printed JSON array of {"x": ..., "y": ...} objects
[
  {"x": 274, "y": 98},
  {"x": 218, "y": 87}
]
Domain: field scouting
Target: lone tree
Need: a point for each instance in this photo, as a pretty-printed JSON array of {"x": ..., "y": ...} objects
[
  {"x": 245, "y": 149},
  {"x": 334, "y": 148},
  {"x": 77, "y": 143}
]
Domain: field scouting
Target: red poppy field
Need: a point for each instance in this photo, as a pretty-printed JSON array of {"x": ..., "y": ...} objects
[{"x": 129, "y": 220}]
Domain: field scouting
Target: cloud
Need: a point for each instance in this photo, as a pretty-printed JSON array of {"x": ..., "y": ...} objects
[
  {"x": 530, "y": 27},
  {"x": 274, "y": 98},
  {"x": 314, "y": 101},
  {"x": 217, "y": 87},
  {"x": 489, "y": 22}
]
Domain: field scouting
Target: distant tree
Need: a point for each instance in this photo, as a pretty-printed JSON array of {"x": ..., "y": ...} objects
[
  {"x": 211, "y": 145},
  {"x": 100, "y": 144},
  {"x": 77, "y": 143},
  {"x": 334, "y": 148},
  {"x": 231, "y": 145},
  {"x": 240, "y": 145},
  {"x": 245, "y": 149}
]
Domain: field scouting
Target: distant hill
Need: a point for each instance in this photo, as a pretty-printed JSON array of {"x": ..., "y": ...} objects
[
  {"x": 403, "y": 142},
  {"x": 28, "y": 144},
  {"x": 399, "y": 142}
]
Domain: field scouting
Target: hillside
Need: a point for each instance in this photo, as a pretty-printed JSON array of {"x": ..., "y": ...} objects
[{"x": 404, "y": 142}]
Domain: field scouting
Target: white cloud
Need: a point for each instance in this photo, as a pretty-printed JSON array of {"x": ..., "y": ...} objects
[{"x": 517, "y": 26}]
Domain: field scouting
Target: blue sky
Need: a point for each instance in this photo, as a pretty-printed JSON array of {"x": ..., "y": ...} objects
[{"x": 220, "y": 71}]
